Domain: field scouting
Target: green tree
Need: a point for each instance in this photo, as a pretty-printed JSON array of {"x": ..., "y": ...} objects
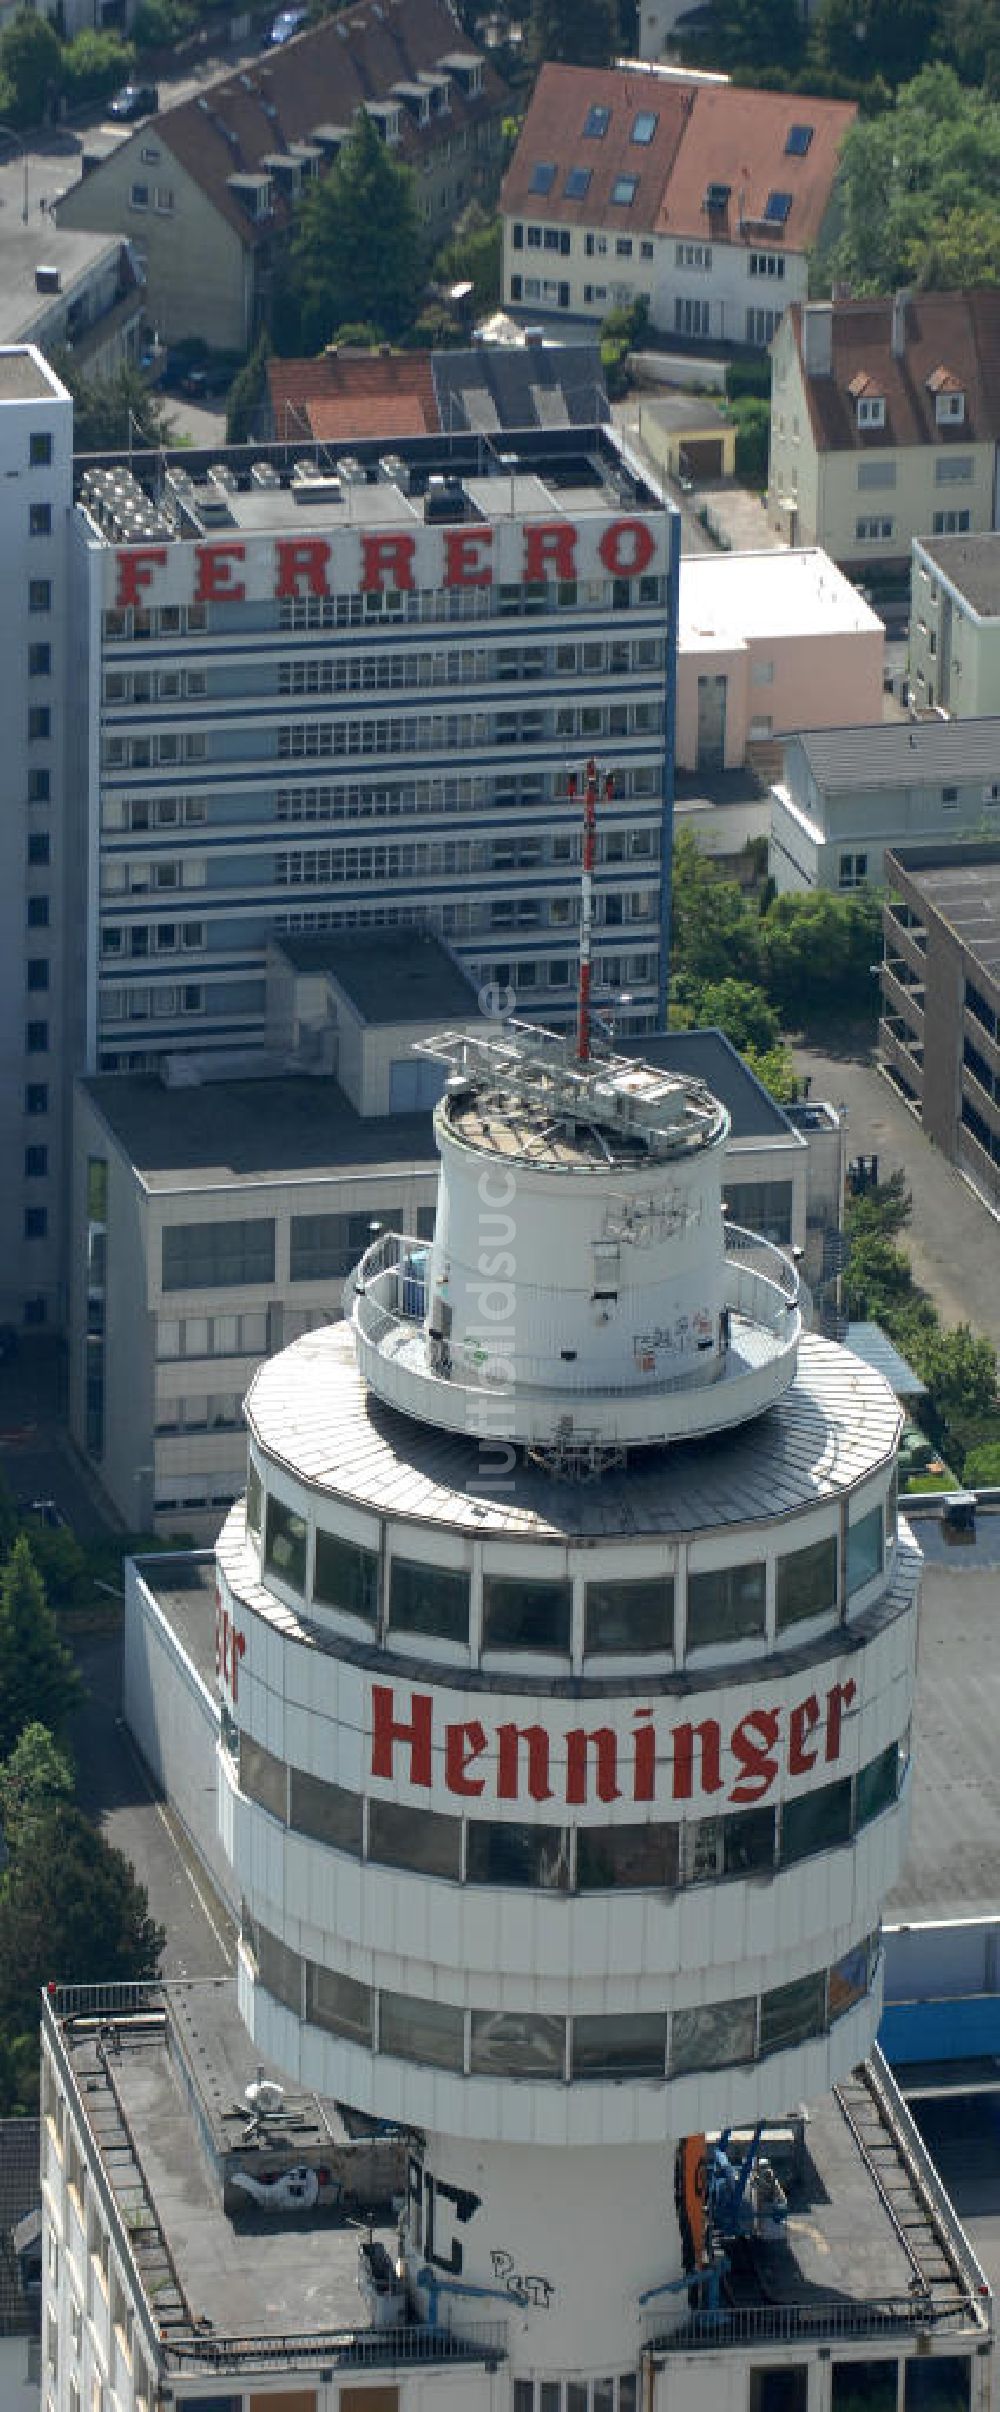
[
  {"x": 748, "y": 35},
  {"x": 475, "y": 255},
  {"x": 713, "y": 937},
  {"x": 582, "y": 33},
  {"x": 860, "y": 39},
  {"x": 960, "y": 1370},
  {"x": 109, "y": 412},
  {"x": 355, "y": 249},
  {"x": 982, "y": 1466},
  {"x": 915, "y": 181},
  {"x": 71, "y": 1908},
  {"x": 30, "y": 67},
  {"x": 817, "y": 953},
  {"x": 36, "y": 1776},
  {"x": 94, "y": 64},
  {"x": 742, "y": 1012},
  {"x": 38, "y": 1681},
  {"x": 247, "y": 395}
]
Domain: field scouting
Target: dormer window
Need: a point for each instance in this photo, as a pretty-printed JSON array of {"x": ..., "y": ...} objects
[
  {"x": 871, "y": 410},
  {"x": 949, "y": 397}
]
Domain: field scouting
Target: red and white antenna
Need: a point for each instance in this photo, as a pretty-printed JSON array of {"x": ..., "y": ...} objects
[{"x": 587, "y": 894}]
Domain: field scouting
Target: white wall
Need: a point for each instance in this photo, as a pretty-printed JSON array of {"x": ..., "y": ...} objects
[{"x": 174, "y": 1721}]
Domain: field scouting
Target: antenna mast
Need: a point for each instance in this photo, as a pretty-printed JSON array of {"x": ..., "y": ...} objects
[{"x": 587, "y": 895}]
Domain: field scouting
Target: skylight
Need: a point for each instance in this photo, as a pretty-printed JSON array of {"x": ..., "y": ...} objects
[
  {"x": 777, "y": 208},
  {"x": 624, "y": 190},
  {"x": 596, "y": 122},
  {"x": 577, "y": 185},
  {"x": 717, "y": 196},
  {"x": 798, "y": 141},
  {"x": 644, "y": 126},
  {"x": 543, "y": 176}
]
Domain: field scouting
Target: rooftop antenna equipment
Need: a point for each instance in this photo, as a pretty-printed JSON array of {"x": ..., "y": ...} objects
[{"x": 587, "y": 894}]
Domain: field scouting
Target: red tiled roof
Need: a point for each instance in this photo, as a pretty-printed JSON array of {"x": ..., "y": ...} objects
[
  {"x": 739, "y": 138},
  {"x": 321, "y": 78},
  {"x": 344, "y": 396},
  {"x": 553, "y": 135},
  {"x": 960, "y": 329},
  {"x": 704, "y": 134}
]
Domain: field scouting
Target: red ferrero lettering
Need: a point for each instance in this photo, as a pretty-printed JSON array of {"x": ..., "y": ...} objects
[
  {"x": 838, "y": 1698},
  {"x": 463, "y": 1744},
  {"x": 605, "y": 1746},
  {"x": 464, "y": 564},
  {"x": 752, "y": 1744},
  {"x": 135, "y": 572},
  {"x": 387, "y": 563},
  {"x": 301, "y": 567},
  {"x": 801, "y": 1725},
  {"x": 683, "y": 1738},
  {"x": 387, "y": 1731},
  {"x": 550, "y": 551},
  {"x": 216, "y": 583},
  {"x": 509, "y": 1739},
  {"x": 627, "y": 548},
  {"x": 644, "y": 1762}
]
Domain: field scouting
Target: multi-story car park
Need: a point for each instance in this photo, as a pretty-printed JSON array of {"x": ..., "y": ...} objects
[
  {"x": 323, "y": 692},
  {"x": 564, "y": 1652}
]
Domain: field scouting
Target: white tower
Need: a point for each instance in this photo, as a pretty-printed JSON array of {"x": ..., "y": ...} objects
[{"x": 566, "y": 1642}]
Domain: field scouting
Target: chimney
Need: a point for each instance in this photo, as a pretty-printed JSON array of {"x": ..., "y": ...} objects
[
  {"x": 897, "y": 335},
  {"x": 817, "y": 338}
]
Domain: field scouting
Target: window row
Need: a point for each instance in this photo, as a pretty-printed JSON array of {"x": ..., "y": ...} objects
[
  {"x": 460, "y": 666},
  {"x": 653, "y": 1856},
  {"x": 145, "y": 623},
  {"x": 634, "y": 1615},
  {"x": 503, "y": 790},
  {"x": 433, "y": 732},
  {"x": 153, "y": 938},
  {"x": 167, "y": 1003},
  {"x": 638, "y": 2045},
  {"x": 577, "y": 2395},
  {"x": 153, "y": 686}
]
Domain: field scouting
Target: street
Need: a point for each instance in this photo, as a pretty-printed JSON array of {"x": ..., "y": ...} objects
[
  {"x": 953, "y": 1243},
  {"x": 113, "y": 1787},
  {"x": 39, "y": 169}
]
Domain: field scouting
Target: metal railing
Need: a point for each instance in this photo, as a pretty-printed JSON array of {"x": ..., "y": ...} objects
[
  {"x": 355, "y": 2349},
  {"x": 387, "y": 1293},
  {"x": 741, "y": 2325}
]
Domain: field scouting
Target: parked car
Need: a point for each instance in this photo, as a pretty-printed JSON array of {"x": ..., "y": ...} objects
[
  {"x": 289, "y": 21},
  {"x": 134, "y": 100}
]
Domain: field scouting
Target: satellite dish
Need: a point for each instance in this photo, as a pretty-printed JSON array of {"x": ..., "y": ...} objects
[{"x": 264, "y": 2096}]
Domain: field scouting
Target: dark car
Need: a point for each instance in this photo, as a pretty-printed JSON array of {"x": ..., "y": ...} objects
[
  {"x": 289, "y": 21},
  {"x": 134, "y": 100}
]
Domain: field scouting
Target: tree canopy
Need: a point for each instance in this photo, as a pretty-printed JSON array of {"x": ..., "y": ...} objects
[
  {"x": 38, "y": 1681},
  {"x": 71, "y": 1908},
  {"x": 920, "y": 190},
  {"x": 36, "y": 1776},
  {"x": 112, "y": 411},
  {"x": 582, "y": 33},
  {"x": 30, "y": 68},
  {"x": 355, "y": 251}
]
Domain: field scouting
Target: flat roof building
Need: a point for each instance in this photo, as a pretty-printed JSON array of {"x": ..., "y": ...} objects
[
  {"x": 769, "y": 642},
  {"x": 954, "y": 654},
  {"x": 940, "y": 984},
  {"x": 850, "y": 798}
]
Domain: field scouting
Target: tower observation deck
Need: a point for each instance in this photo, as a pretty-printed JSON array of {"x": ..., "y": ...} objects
[{"x": 566, "y": 1645}]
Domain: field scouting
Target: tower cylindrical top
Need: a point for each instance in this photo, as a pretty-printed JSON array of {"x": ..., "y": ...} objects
[{"x": 580, "y": 1265}]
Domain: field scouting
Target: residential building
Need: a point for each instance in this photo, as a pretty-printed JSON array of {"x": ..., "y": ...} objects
[
  {"x": 954, "y": 658},
  {"x": 40, "y": 934},
  {"x": 699, "y": 198},
  {"x": 20, "y": 2264},
  {"x": 346, "y": 395},
  {"x": 206, "y": 191},
  {"x": 849, "y": 797},
  {"x": 69, "y": 291},
  {"x": 939, "y": 1032},
  {"x": 501, "y": 1979},
  {"x": 215, "y": 1221},
  {"x": 769, "y": 642},
  {"x": 884, "y": 422},
  {"x": 327, "y": 690}
]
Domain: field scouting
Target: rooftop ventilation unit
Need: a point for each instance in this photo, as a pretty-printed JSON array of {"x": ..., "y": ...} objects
[
  {"x": 264, "y": 474},
  {"x": 445, "y": 499},
  {"x": 48, "y": 280}
]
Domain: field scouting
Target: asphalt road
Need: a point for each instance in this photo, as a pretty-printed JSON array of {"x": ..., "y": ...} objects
[
  {"x": 953, "y": 1243},
  {"x": 114, "y": 1788}
]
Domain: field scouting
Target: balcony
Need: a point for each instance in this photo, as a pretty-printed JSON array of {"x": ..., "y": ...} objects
[
  {"x": 385, "y": 1299},
  {"x": 903, "y": 994},
  {"x": 906, "y": 937}
]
